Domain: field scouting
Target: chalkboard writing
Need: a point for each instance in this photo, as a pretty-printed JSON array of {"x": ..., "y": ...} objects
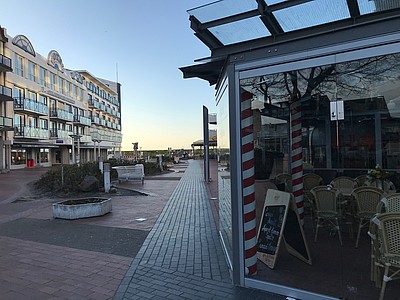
[{"x": 270, "y": 230}]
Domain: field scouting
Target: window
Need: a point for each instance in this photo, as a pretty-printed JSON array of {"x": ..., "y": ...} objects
[
  {"x": 18, "y": 157},
  {"x": 43, "y": 99},
  {"x": 18, "y": 65},
  {"x": 31, "y": 71},
  {"x": 31, "y": 95},
  {"x": 52, "y": 81},
  {"x": 43, "y": 124},
  {"x": 68, "y": 88},
  {"x": 44, "y": 155},
  {"x": 60, "y": 85},
  {"x": 74, "y": 91},
  {"x": 42, "y": 76},
  {"x": 18, "y": 93}
]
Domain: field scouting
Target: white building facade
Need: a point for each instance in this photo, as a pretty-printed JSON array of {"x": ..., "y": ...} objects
[{"x": 52, "y": 118}]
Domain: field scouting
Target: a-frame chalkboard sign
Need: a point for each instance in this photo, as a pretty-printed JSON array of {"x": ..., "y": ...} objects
[
  {"x": 271, "y": 226},
  {"x": 280, "y": 219}
]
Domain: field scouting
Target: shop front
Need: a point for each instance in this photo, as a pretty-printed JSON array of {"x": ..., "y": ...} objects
[{"x": 324, "y": 100}]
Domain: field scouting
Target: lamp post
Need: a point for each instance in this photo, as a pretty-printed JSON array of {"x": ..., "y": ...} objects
[
  {"x": 135, "y": 148},
  {"x": 77, "y": 158},
  {"x": 94, "y": 148}
]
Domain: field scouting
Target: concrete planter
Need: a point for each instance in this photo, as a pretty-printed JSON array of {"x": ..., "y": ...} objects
[{"x": 82, "y": 208}]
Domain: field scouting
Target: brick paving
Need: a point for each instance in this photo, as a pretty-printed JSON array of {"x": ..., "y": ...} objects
[{"x": 180, "y": 255}]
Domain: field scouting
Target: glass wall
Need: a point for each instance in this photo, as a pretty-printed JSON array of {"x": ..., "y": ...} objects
[
  {"x": 224, "y": 172},
  {"x": 343, "y": 119}
]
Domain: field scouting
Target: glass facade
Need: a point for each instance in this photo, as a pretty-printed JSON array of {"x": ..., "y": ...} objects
[
  {"x": 224, "y": 178},
  {"x": 346, "y": 115}
]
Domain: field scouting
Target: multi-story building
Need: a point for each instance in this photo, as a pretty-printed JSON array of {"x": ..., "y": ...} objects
[
  {"x": 6, "y": 121},
  {"x": 46, "y": 115}
]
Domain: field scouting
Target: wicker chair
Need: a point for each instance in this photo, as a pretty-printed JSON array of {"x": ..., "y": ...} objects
[
  {"x": 366, "y": 199},
  {"x": 388, "y": 225},
  {"x": 361, "y": 179},
  {"x": 344, "y": 184},
  {"x": 327, "y": 210},
  {"x": 286, "y": 179},
  {"x": 389, "y": 203},
  {"x": 310, "y": 181},
  {"x": 387, "y": 185}
]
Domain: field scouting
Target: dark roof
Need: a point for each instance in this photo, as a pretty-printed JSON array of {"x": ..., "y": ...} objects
[{"x": 229, "y": 26}]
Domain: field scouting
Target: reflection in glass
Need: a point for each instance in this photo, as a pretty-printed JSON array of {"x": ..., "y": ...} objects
[
  {"x": 224, "y": 175},
  {"x": 336, "y": 140}
]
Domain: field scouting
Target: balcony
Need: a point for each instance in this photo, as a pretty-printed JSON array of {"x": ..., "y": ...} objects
[
  {"x": 30, "y": 106},
  {"x": 5, "y": 94},
  {"x": 82, "y": 120},
  {"x": 56, "y": 133},
  {"x": 86, "y": 139},
  {"x": 6, "y": 124},
  {"x": 94, "y": 104},
  {"x": 29, "y": 132},
  {"x": 96, "y": 120},
  {"x": 61, "y": 114},
  {"x": 5, "y": 64}
]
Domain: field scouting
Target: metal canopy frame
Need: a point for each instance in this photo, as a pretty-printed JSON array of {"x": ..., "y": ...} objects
[{"x": 221, "y": 19}]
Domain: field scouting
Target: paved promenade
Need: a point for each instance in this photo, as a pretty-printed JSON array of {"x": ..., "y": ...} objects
[
  {"x": 182, "y": 257},
  {"x": 161, "y": 246}
]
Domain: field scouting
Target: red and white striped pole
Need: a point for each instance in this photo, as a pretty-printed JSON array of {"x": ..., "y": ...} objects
[
  {"x": 248, "y": 184},
  {"x": 297, "y": 155}
]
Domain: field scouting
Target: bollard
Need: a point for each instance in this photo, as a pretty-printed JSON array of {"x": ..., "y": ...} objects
[{"x": 106, "y": 177}]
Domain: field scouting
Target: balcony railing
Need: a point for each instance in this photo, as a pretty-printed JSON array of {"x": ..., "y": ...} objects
[
  {"x": 59, "y": 133},
  {"x": 94, "y": 103},
  {"x": 62, "y": 114},
  {"x": 5, "y": 94},
  {"x": 86, "y": 139},
  {"x": 30, "y": 105},
  {"x": 31, "y": 132},
  {"x": 82, "y": 120},
  {"x": 5, "y": 63},
  {"x": 96, "y": 120},
  {"x": 6, "y": 123}
]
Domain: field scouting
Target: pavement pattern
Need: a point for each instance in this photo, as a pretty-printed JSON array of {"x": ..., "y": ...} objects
[{"x": 162, "y": 244}]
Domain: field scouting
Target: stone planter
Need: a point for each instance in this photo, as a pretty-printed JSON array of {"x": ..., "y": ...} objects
[{"x": 82, "y": 208}]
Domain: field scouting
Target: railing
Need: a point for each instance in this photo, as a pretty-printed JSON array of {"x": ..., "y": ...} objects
[
  {"x": 59, "y": 133},
  {"x": 96, "y": 120},
  {"x": 86, "y": 139},
  {"x": 31, "y": 105},
  {"x": 5, "y": 93},
  {"x": 94, "y": 103},
  {"x": 5, "y": 61},
  {"x": 83, "y": 120},
  {"x": 6, "y": 122},
  {"x": 31, "y": 132},
  {"x": 62, "y": 114}
]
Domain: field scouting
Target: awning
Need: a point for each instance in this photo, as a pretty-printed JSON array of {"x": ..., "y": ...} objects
[{"x": 209, "y": 71}]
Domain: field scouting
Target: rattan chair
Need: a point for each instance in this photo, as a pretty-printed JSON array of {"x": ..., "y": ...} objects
[
  {"x": 286, "y": 179},
  {"x": 386, "y": 185},
  {"x": 310, "y": 181},
  {"x": 344, "y": 184},
  {"x": 388, "y": 235},
  {"x": 361, "y": 179},
  {"x": 389, "y": 203},
  {"x": 366, "y": 199},
  {"x": 327, "y": 211}
]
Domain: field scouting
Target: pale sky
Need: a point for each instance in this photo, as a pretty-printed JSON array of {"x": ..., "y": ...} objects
[{"x": 147, "y": 40}]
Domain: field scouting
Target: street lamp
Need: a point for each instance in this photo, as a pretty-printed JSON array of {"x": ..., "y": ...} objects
[
  {"x": 94, "y": 148},
  {"x": 78, "y": 157},
  {"x": 135, "y": 148}
]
